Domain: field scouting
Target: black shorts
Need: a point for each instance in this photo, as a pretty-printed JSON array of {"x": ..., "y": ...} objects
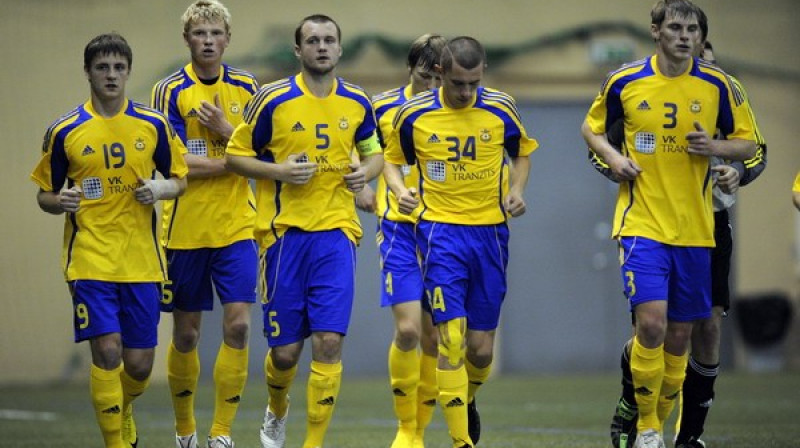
[{"x": 721, "y": 261}]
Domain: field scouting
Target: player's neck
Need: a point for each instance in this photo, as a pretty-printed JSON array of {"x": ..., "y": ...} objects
[
  {"x": 107, "y": 107},
  {"x": 671, "y": 67},
  {"x": 320, "y": 85},
  {"x": 207, "y": 71}
]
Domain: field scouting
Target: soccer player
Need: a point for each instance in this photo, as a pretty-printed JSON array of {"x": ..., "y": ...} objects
[
  {"x": 412, "y": 374},
  {"x": 461, "y": 137},
  {"x": 98, "y": 166},
  {"x": 208, "y": 232},
  {"x": 310, "y": 142},
  {"x": 703, "y": 366},
  {"x": 664, "y": 203}
]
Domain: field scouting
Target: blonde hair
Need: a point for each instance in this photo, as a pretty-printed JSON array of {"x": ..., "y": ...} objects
[{"x": 206, "y": 11}]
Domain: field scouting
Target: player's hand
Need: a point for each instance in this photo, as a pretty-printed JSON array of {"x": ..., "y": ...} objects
[
  {"x": 700, "y": 142},
  {"x": 366, "y": 200},
  {"x": 623, "y": 168},
  {"x": 356, "y": 178},
  {"x": 407, "y": 201},
  {"x": 70, "y": 199},
  {"x": 148, "y": 191},
  {"x": 514, "y": 204},
  {"x": 213, "y": 117},
  {"x": 727, "y": 178},
  {"x": 297, "y": 170}
]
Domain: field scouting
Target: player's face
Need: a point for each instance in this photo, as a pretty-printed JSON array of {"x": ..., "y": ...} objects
[
  {"x": 423, "y": 79},
  {"x": 678, "y": 37},
  {"x": 207, "y": 42},
  {"x": 107, "y": 75},
  {"x": 319, "y": 48},
  {"x": 460, "y": 84}
]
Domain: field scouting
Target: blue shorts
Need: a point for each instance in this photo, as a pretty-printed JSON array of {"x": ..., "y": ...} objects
[
  {"x": 464, "y": 271},
  {"x": 400, "y": 270},
  {"x": 232, "y": 269},
  {"x": 656, "y": 271},
  {"x": 130, "y": 309},
  {"x": 310, "y": 278}
]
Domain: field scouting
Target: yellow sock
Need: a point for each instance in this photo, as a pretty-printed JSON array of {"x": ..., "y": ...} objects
[
  {"x": 647, "y": 367},
  {"x": 183, "y": 370},
  {"x": 230, "y": 376},
  {"x": 278, "y": 384},
  {"x": 131, "y": 388},
  {"x": 477, "y": 376},
  {"x": 105, "y": 389},
  {"x": 404, "y": 378},
  {"x": 453, "y": 399},
  {"x": 323, "y": 389},
  {"x": 426, "y": 392},
  {"x": 674, "y": 374}
]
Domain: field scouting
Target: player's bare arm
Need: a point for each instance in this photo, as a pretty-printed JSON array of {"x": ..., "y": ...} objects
[
  {"x": 406, "y": 197},
  {"x": 701, "y": 143},
  {"x": 294, "y": 170},
  {"x": 622, "y": 167}
]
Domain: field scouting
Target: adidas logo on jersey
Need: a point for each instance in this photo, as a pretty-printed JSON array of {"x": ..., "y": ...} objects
[
  {"x": 87, "y": 150},
  {"x": 434, "y": 139},
  {"x": 298, "y": 127},
  {"x": 329, "y": 401},
  {"x": 454, "y": 402},
  {"x": 643, "y": 105},
  {"x": 192, "y": 114}
]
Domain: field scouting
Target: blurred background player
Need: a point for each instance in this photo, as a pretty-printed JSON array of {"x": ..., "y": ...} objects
[
  {"x": 107, "y": 152},
  {"x": 667, "y": 278},
  {"x": 459, "y": 136},
  {"x": 412, "y": 373},
  {"x": 310, "y": 142},
  {"x": 208, "y": 232}
]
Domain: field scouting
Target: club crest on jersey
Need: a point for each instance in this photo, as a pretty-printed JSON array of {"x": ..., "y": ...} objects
[
  {"x": 235, "y": 108},
  {"x": 343, "y": 123},
  {"x": 485, "y": 135},
  {"x": 695, "y": 107},
  {"x": 139, "y": 144}
]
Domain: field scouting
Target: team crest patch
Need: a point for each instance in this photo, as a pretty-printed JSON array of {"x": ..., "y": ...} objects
[
  {"x": 343, "y": 123},
  {"x": 695, "y": 107},
  {"x": 139, "y": 144},
  {"x": 235, "y": 108},
  {"x": 485, "y": 135}
]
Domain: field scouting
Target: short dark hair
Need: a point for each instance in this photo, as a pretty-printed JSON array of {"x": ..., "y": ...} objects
[
  {"x": 465, "y": 50},
  {"x": 109, "y": 43},
  {"x": 678, "y": 8},
  {"x": 426, "y": 51},
  {"x": 316, "y": 18}
]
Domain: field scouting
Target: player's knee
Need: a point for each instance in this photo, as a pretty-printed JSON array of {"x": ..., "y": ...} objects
[
  {"x": 406, "y": 335},
  {"x": 236, "y": 333},
  {"x": 452, "y": 344}
]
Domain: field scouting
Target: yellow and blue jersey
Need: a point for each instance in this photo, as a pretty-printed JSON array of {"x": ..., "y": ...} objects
[
  {"x": 215, "y": 211},
  {"x": 460, "y": 154},
  {"x": 285, "y": 118},
  {"x": 386, "y": 105},
  {"x": 112, "y": 237},
  {"x": 670, "y": 200}
]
